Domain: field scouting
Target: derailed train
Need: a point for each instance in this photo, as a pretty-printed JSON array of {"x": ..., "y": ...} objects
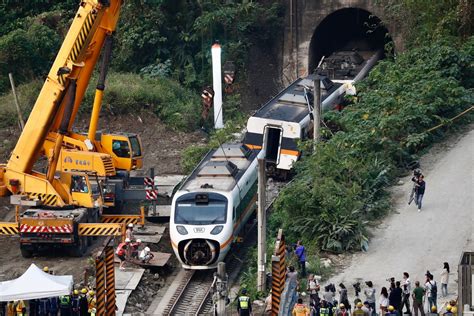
[{"x": 217, "y": 199}]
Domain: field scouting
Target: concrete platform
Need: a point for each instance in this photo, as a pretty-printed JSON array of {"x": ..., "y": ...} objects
[{"x": 125, "y": 282}]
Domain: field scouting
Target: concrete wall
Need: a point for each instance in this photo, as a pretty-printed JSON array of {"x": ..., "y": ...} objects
[{"x": 302, "y": 21}]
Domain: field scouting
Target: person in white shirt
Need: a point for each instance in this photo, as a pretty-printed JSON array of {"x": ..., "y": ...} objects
[
  {"x": 445, "y": 279},
  {"x": 146, "y": 255},
  {"x": 406, "y": 293},
  {"x": 431, "y": 289},
  {"x": 383, "y": 301},
  {"x": 369, "y": 293}
]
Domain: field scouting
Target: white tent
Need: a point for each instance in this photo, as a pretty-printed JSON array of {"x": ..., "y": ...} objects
[{"x": 35, "y": 283}]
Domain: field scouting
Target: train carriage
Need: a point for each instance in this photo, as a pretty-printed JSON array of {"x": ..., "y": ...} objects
[{"x": 213, "y": 204}]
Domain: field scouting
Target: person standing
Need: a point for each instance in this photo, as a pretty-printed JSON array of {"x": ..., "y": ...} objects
[
  {"x": 11, "y": 308},
  {"x": 325, "y": 309},
  {"x": 406, "y": 293},
  {"x": 44, "y": 307},
  {"x": 32, "y": 307},
  {"x": 383, "y": 299},
  {"x": 300, "y": 253},
  {"x": 343, "y": 299},
  {"x": 122, "y": 251},
  {"x": 369, "y": 293},
  {"x": 54, "y": 305},
  {"x": 445, "y": 279},
  {"x": 65, "y": 305},
  {"x": 420, "y": 191},
  {"x": 431, "y": 289},
  {"x": 20, "y": 308},
  {"x": 342, "y": 311},
  {"x": 83, "y": 304},
  {"x": 313, "y": 289},
  {"x": 359, "y": 311},
  {"x": 129, "y": 232},
  {"x": 418, "y": 293},
  {"x": 300, "y": 309},
  {"x": 395, "y": 297},
  {"x": 244, "y": 307},
  {"x": 75, "y": 303}
]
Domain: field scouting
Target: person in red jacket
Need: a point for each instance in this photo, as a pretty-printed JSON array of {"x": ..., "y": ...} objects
[{"x": 121, "y": 252}]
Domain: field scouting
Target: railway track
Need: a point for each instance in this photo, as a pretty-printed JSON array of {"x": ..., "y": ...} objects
[{"x": 194, "y": 294}]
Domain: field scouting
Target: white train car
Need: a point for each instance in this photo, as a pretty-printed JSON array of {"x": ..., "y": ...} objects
[
  {"x": 212, "y": 205},
  {"x": 284, "y": 120}
]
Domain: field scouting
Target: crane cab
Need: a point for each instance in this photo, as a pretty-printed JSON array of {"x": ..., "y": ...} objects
[
  {"x": 125, "y": 150},
  {"x": 85, "y": 188}
]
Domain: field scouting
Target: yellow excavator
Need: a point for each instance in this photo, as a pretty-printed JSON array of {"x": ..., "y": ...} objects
[{"x": 70, "y": 192}]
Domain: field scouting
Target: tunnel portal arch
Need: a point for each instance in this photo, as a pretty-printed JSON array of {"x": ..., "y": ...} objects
[{"x": 347, "y": 29}]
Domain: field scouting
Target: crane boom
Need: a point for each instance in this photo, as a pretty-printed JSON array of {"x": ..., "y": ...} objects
[{"x": 76, "y": 60}]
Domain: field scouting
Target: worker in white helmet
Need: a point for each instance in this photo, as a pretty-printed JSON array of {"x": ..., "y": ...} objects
[
  {"x": 146, "y": 255},
  {"x": 129, "y": 232}
]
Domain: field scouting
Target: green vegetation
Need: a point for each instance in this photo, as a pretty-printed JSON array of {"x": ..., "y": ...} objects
[
  {"x": 125, "y": 93},
  {"x": 340, "y": 188}
]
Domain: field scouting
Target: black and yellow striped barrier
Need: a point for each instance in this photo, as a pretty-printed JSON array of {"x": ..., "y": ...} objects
[
  {"x": 125, "y": 219},
  {"x": 110, "y": 280},
  {"x": 100, "y": 285},
  {"x": 9, "y": 229},
  {"x": 87, "y": 229},
  {"x": 278, "y": 272}
]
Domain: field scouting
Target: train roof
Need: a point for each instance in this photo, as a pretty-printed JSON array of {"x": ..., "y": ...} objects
[
  {"x": 221, "y": 168},
  {"x": 290, "y": 104}
]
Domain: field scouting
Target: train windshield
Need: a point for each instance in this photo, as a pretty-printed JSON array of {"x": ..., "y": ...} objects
[{"x": 199, "y": 211}]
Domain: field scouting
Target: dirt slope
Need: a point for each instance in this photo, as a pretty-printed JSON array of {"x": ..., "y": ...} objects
[{"x": 416, "y": 242}]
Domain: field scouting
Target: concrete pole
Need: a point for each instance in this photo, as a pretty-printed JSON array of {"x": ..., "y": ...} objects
[
  {"x": 222, "y": 289},
  {"x": 17, "y": 103},
  {"x": 262, "y": 223},
  {"x": 316, "y": 111},
  {"x": 217, "y": 85}
]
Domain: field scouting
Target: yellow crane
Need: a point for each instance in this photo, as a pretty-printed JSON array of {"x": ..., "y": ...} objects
[{"x": 70, "y": 192}]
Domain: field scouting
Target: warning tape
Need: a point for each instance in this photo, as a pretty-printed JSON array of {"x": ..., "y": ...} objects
[
  {"x": 9, "y": 229},
  {"x": 87, "y": 229},
  {"x": 278, "y": 272},
  {"x": 450, "y": 120}
]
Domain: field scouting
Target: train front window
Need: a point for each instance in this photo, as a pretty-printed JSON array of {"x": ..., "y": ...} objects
[{"x": 188, "y": 212}]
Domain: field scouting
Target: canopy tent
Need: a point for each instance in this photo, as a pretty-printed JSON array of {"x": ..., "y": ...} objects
[{"x": 35, "y": 283}]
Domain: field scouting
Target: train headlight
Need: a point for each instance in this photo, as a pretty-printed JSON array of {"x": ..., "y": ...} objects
[
  {"x": 216, "y": 230},
  {"x": 182, "y": 230}
]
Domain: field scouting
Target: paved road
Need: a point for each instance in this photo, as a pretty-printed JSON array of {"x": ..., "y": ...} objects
[{"x": 414, "y": 242}]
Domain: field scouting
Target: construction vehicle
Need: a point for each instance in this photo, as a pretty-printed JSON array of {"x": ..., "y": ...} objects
[{"x": 70, "y": 192}]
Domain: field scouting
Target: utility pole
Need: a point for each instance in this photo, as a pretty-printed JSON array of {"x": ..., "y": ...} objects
[
  {"x": 316, "y": 110},
  {"x": 220, "y": 293},
  {"x": 17, "y": 103},
  {"x": 262, "y": 223}
]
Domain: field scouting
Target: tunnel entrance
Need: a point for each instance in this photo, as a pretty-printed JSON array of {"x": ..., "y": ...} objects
[{"x": 347, "y": 29}]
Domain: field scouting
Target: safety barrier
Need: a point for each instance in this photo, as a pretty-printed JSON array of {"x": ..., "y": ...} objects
[
  {"x": 110, "y": 280},
  {"x": 278, "y": 272},
  {"x": 8, "y": 229},
  {"x": 125, "y": 219},
  {"x": 87, "y": 229},
  {"x": 100, "y": 285}
]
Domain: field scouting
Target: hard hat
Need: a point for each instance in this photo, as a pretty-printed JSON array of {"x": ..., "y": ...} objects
[
  {"x": 76, "y": 292},
  {"x": 342, "y": 306},
  {"x": 433, "y": 308},
  {"x": 130, "y": 225},
  {"x": 127, "y": 239},
  {"x": 84, "y": 291},
  {"x": 139, "y": 241},
  {"x": 360, "y": 304},
  {"x": 91, "y": 292},
  {"x": 391, "y": 308},
  {"x": 448, "y": 308},
  {"x": 147, "y": 249},
  {"x": 45, "y": 269},
  {"x": 244, "y": 291}
]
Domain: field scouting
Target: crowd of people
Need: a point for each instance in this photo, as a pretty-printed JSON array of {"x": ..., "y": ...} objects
[
  {"x": 132, "y": 249},
  {"x": 398, "y": 298},
  {"x": 78, "y": 303}
]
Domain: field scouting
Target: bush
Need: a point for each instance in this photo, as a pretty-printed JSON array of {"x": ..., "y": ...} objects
[{"x": 340, "y": 187}]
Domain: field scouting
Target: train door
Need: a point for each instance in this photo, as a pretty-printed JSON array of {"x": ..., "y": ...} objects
[{"x": 272, "y": 143}]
